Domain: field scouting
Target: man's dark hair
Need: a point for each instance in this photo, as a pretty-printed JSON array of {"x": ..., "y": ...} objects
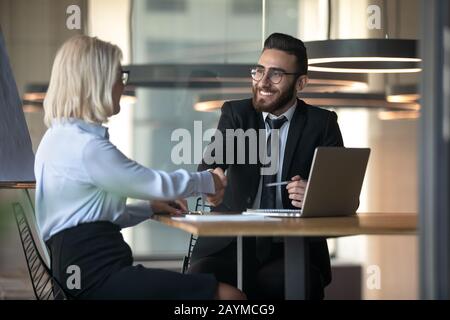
[{"x": 291, "y": 45}]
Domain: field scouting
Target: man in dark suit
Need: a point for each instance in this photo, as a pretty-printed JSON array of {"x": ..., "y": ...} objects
[{"x": 280, "y": 74}]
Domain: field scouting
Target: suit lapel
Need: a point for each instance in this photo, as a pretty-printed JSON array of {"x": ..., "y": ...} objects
[
  {"x": 260, "y": 121},
  {"x": 256, "y": 169},
  {"x": 295, "y": 132},
  {"x": 258, "y": 125}
]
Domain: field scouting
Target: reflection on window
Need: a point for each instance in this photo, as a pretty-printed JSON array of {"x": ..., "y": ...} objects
[
  {"x": 247, "y": 7},
  {"x": 167, "y": 5}
]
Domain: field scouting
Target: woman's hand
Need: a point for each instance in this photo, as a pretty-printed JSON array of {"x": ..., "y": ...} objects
[{"x": 171, "y": 207}]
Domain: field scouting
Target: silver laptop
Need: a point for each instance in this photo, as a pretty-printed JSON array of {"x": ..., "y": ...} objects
[{"x": 334, "y": 184}]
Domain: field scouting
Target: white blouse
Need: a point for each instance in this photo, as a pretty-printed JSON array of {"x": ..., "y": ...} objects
[{"x": 82, "y": 177}]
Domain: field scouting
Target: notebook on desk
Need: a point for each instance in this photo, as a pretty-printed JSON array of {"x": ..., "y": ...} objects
[{"x": 334, "y": 184}]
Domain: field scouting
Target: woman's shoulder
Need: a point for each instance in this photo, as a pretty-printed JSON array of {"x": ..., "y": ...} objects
[{"x": 67, "y": 141}]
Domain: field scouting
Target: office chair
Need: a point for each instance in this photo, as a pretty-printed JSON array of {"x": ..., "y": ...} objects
[
  {"x": 193, "y": 239},
  {"x": 45, "y": 286}
]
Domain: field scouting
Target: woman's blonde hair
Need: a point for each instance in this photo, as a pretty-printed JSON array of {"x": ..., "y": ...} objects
[{"x": 83, "y": 75}]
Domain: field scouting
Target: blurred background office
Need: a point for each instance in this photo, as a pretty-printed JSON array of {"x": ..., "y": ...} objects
[{"x": 157, "y": 36}]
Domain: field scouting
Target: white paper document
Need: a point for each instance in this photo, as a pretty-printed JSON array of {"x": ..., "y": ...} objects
[{"x": 223, "y": 218}]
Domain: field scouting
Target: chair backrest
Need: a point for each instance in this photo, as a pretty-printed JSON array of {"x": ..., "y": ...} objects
[
  {"x": 45, "y": 286},
  {"x": 193, "y": 239}
]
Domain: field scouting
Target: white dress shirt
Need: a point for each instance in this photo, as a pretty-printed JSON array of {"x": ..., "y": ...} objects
[
  {"x": 82, "y": 177},
  {"x": 284, "y": 130}
]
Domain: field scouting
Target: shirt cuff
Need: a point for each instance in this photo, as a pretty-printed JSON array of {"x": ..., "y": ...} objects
[
  {"x": 204, "y": 182},
  {"x": 140, "y": 208}
]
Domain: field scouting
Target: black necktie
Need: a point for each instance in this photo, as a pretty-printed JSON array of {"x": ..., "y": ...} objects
[{"x": 268, "y": 194}]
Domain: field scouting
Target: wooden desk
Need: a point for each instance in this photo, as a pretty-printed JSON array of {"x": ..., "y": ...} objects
[
  {"x": 18, "y": 185},
  {"x": 296, "y": 231}
]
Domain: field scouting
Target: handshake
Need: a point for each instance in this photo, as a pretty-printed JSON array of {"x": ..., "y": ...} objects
[
  {"x": 220, "y": 182},
  {"x": 181, "y": 206}
]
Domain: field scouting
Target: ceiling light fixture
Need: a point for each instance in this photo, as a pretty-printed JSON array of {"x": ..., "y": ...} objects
[
  {"x": 363, "y": 56},
  {"x": 402, "y": 93},
  {"x": 33, "y": 98},
  {"x": 333, "y": 100},
  {"x": 228, "y": 76},
  {"x": 398, "y": 115}
]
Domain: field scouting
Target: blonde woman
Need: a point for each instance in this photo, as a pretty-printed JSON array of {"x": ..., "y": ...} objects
[{"x": 83, "y": 181}]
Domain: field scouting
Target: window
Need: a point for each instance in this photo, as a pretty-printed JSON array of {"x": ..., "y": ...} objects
[
  {"x": 167, "y": 5},
  {"x": 240, "y": 7}
]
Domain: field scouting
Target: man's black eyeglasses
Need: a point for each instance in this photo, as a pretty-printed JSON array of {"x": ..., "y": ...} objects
[{"x": 275, "y": 76}]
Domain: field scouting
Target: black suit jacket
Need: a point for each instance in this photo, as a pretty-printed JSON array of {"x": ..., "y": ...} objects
[{"x": 310, "y": 127}]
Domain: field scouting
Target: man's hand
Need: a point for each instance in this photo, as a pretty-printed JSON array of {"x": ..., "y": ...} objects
[
  {"x": 220, "y": 182},
  {"x": 171, "y": 207},
  {"x": 296, "y": 190}
]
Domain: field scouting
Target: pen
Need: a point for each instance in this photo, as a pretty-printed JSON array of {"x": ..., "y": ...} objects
[{"x": 273, "y": 184}]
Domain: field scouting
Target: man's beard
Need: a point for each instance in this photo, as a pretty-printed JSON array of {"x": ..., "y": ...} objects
[{"x": 277, "y": 104}]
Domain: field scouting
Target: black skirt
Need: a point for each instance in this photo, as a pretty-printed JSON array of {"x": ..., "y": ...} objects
[{"x": 92, "y": 261}]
